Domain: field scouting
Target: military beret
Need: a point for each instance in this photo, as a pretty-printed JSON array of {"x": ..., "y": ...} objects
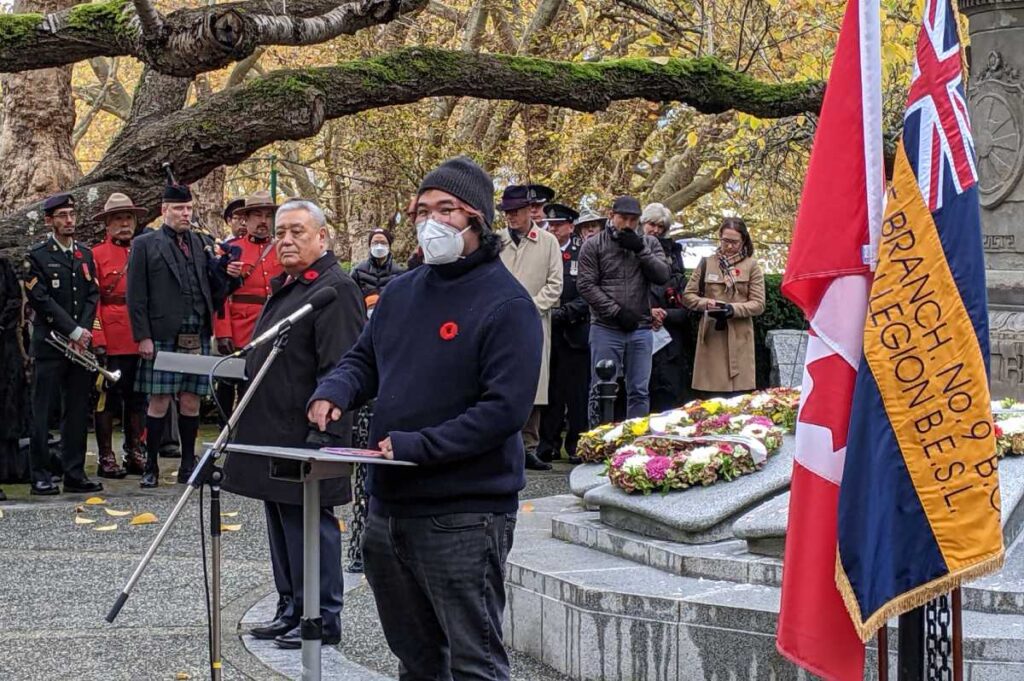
[{"x": 56, "y": 202}]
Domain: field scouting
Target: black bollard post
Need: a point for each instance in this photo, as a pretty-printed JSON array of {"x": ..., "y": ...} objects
[
  {"x": 607, "y": 388},
  {"x": 911, "y": 646}
]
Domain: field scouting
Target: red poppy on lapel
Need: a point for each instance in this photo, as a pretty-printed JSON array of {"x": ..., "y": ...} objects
[
  {"x": 566, "y": 255},
  {"x": 449, "y": 330},
  {"x": 78, "y": 254},
  {"x": 310, "y": 275}
]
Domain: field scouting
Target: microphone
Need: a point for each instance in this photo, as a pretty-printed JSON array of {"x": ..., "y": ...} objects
[{"x": 320, "y": 299}]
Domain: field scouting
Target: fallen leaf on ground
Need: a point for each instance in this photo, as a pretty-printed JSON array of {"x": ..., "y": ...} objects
[
  {"x": 230, "y": 528},
  {"x": 82, "y": 520},
  {"x": 181, "y": 676},
  {"x": 229, "y": 514},
  {"x": 105, "y": 528},
  {"x": 341, "y": 524},
  {"x": 95, "y": 501},
  {"x": 1, "y": 513},
  {"x": 80, "y": 509},
  {"x": 527, "y": 508},
  {"x": 146, "y": 518},
  {"x": 116, "y": 513}
]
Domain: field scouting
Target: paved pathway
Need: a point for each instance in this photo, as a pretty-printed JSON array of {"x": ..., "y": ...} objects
[{"x": 58, "y": 580}]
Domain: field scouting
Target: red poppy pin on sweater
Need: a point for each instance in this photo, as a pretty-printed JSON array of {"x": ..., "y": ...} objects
[
  {"x": 566, "y": 255},
  {"x": 310, "y": 275},
  {"x": 449, "y": 330}
]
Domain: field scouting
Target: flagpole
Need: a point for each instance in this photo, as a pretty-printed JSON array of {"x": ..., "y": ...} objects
[
  {"x": 883, "y": 653},
  {"x": 958, "y": 633}
]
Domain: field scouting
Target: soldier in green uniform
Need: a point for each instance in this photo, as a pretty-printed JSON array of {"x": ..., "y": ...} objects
[{"x": 60, "y": 282}]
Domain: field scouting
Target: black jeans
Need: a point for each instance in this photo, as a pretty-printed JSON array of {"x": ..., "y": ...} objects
[
  {"x": 59, "y": 381},
  {"x": 440, "y": 591}
]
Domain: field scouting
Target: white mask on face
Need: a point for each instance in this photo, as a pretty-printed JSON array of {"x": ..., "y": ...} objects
[
  {"x": 441, "y": 243},
  {"x": 379, "y": 250}
]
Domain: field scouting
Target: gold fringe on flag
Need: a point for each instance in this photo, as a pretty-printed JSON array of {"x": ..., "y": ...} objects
[{"x": 914, "y": 598}]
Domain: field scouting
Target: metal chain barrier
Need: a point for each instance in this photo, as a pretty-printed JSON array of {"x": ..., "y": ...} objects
[
  {"x": 360, "y": 505},
  {"x": 938, "y": 617}
]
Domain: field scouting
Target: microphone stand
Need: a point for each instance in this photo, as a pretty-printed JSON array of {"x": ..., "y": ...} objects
[{"x": 207, "y": 472}]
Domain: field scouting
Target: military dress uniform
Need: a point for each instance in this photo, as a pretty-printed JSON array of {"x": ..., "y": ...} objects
[
  {"x": 242, "y": 308},
  {"x": 570, "y": 355},
  {"x": 112, "y": 334},
  {"x": 61, "y": 288}
]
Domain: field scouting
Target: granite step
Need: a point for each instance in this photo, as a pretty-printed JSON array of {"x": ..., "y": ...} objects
[{"x": 730, "y": 560}]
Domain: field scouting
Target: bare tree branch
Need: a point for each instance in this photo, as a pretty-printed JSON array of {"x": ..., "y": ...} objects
[
  {"x": 83, "y": 125},
  {"x": 665, "y": 18},
  {"x": 149, "y": 19}
]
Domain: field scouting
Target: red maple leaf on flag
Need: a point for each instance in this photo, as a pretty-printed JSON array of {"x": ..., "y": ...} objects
[{"x": 827, "y": 404}]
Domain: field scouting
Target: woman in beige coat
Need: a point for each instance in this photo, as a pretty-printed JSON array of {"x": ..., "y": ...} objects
[{"x": 728, "y": 287}]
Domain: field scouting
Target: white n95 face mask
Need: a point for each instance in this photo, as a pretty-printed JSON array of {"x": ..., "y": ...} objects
[
  {"x": 379, "y": 250},
  {"x": 441, "y": 243}
]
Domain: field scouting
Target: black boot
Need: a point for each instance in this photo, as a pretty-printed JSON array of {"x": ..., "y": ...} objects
[
  {"x": 107, "y": 467},
  {"x": 134, "y": 455},
  {"x": 535, "y": 464},
  {"x": 154, "y": 433},
  {"x": 188, "y": 429}
]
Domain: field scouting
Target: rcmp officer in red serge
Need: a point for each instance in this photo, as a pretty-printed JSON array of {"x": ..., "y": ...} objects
[
  {"x": 254, "y": 264},
  {"x": 276, "y": 415},
  {"x": 60, "y": 281},
  {"x": 112, "y": 338},
  {"x": 174, "y": 286}
]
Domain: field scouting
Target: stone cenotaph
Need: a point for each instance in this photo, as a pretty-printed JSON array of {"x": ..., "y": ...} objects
[{"x": 996, "y": 99}]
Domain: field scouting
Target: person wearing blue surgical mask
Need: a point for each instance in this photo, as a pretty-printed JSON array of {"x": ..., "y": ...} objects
[{"x": 451, "y": 354}]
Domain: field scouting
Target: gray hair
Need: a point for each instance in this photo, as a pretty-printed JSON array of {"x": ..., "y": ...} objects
[
  {"x": 302, "y": 204},
  {"x": 658, "y": 214}
]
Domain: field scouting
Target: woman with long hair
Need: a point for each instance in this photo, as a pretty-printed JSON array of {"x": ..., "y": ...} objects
[{"x": 728, "y": 288}]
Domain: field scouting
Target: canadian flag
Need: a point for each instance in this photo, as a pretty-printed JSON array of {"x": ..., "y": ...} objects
[{"x": 828, "y": 275}]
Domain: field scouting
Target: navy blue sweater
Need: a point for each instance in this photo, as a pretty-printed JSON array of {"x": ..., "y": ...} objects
[{"x": 452, "y": 354}]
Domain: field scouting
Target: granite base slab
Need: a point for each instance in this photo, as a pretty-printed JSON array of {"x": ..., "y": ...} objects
[
  {"x": 585, "y": 477},
  {"x": 699, "y": 514}
]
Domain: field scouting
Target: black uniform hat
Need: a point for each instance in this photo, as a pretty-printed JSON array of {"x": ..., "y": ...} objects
[
  {"x": 539, "y": 193},
  {"x": 556, "y": 212},
  {"x": 56, "y": 202}
]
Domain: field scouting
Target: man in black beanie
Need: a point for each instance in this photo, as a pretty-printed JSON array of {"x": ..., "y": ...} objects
[
  {"x": 451, "y": 355},
  {"x": 174, "y": 286}
]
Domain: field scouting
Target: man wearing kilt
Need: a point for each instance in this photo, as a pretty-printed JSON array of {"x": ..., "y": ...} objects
[{"x": 174, "y": 286}]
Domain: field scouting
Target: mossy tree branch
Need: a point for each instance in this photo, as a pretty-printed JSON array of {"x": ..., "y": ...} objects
[{"x": 229, "y": 126}]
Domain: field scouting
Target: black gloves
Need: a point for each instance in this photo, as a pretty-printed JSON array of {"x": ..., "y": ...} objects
[
  {"x": 631, "y": 241},
  {"x": 721, "y": 315},
  {"x": 558, "y": 316},
  {"x": 627, "y": 319}
]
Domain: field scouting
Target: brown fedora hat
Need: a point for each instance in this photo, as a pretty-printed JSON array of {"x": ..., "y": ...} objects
[
  {"x": 256, "y": 200},
  {"x": 119, "y": 203}
]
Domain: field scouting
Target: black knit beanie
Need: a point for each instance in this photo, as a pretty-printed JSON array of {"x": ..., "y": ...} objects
[
  {"x": 375, "y": 232},
  {"x": 464, "y": 179}
]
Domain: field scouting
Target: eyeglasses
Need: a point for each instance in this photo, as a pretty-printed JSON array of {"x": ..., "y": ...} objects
[
  {"x": 65, "y": 214},
  {"x": 730, "y": 242},
  {"x": 445, "y": 212}
]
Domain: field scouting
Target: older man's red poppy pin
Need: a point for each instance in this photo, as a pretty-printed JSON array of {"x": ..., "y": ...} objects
[
  {"x": 449, "y": 330},
  {"x": 566, "y": 255},
  {"x": 310, "y": 275}
]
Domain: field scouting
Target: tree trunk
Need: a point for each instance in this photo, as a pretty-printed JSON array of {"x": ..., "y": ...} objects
[{"x": 38, "y": 119}]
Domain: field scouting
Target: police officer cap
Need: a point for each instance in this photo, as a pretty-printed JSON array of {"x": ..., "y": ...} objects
[
  {"x": 177, "y": 193},
  {"x": 232, "y": 207},
  {"x": 556, "y": 212},
  {"x": 539, "y": 193},
  {"x": 56, "y": 202}
]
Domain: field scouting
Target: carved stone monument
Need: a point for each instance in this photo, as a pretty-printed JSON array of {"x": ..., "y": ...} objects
[{"x": 996, "y": 96}]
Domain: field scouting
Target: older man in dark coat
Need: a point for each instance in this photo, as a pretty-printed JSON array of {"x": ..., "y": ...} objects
[{"x": 276, "y": 415}]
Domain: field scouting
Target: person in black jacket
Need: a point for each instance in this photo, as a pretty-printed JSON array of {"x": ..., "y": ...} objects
[
  {"x": 60, "y": 281},
  {"x": 175, "y": 284},
  {"x": 671, "y": 371},
  {"x": 276, "y": 415},
  {"x": 570, "y": 350},
  {"x": 452, "y": 355},
  {"x": 377, "y": 271}
]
